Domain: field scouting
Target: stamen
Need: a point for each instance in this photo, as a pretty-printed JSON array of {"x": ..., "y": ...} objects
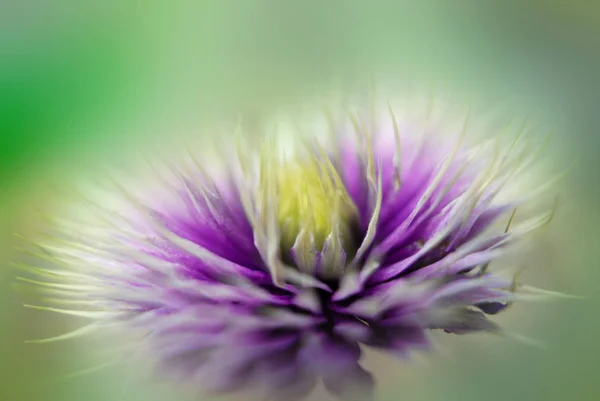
[
  {"x": 314, "y": 211},
  {"x": 397, "y": 153},
  {"x": 311, "y": 200}
]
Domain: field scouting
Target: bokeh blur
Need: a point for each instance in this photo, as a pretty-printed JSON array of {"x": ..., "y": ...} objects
[{"x": 81, "y": 81}]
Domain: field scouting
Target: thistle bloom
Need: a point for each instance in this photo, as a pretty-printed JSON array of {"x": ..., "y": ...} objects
[{"x": 274, "y": 269}]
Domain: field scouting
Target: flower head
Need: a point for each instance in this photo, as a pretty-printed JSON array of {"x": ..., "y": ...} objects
[{"x": 272, "y": 272}]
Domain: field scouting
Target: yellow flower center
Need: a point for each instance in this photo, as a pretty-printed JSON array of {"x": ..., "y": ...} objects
[{"x": 313, "y": 204}]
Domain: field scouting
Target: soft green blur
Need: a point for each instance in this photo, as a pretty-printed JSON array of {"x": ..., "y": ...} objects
[{"x": 80, "y": 82}]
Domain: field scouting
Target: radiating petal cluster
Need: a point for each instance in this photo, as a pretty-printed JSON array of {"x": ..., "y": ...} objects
[{"x": 273, "y": 272}]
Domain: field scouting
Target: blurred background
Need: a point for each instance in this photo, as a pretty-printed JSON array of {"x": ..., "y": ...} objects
[{"x": 82, "y": 81}]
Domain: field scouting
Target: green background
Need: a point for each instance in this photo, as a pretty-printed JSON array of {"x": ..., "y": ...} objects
[{"x": 79, "y": 81}]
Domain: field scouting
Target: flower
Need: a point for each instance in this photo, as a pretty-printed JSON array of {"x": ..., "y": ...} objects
[{"x": 270, "y": 270}]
